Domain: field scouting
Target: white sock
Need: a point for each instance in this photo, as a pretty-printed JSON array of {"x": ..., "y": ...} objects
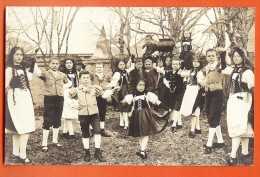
[
  {"x": 175, "y": 118},
  {"x": 102, "y": 125},
  {"x": 85, "y": 142},
  {"x": 198, "y": 123},
  {"x": 70, "y": 127},
  {"x": 23, "y": 144},
  {"x": 45, "y": 135},
  {"x": 219, "y": 134},
  {"x": 121, "y": 123},
  {"x": 244, "y": 143},
  {"x": 16, "y": 144},
  {"x": 55, "y": 134},
  {"x": 97, "y": 140},
  {"x": 144, "y": 143},
  {"x": 235, "y": 146},
  {"x": 65, "y": 129},
  {"x": 179, "y": 120},
  {"x": 193, "y": 123},
  {"x": 211, "y": 135},
  {"x": 172, "y": 116},
  {"x": 125, "y": 117}
]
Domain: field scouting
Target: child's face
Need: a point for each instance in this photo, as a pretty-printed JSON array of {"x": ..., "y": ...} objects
[
  {"x": 148, "y": 65},
  {"x": 211, "y": 57},
  {"x": 85, "y": 79},
  {"x": 175, "y": 65},
  {"x": 148, "y": 40},
  {"x": 18, "y": 57},
  {"x": 160, "y": 63},
  {"x": 99, "y": 68},
  {"x": 186, "y": 34},
  {"x": 139, "y": 65},
  {"x": 195, "y": 63},
  {"x": 121, "y": 65},
  {"x": 69, "y": 65},
  {"x": 237, "y": 59},
  {"x": 140, "y": 86},
  {"x": 168, "y": 61},
  {"x": 54, "y": 64}
]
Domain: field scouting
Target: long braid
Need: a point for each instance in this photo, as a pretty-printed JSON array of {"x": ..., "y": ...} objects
[{"x": 13, "y": 74}]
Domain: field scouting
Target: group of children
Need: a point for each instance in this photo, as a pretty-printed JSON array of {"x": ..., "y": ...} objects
[{"x": 137, "y": 92}]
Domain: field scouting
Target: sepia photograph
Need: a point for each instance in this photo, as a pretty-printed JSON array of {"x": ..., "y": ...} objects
[{"x": 129, "y": 86}]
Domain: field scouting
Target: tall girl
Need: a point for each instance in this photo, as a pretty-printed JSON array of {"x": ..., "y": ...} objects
[
  {"x": 19, "y": 117},
  {"x": 193, "y": 99},
  {"x": 143, "y": 121},
  {"x": 69, "y": 113},
  {"x": 121, "y": 81},
  {"x": 239, "y": 104}
]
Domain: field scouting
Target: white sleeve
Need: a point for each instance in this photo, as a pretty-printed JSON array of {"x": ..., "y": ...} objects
[
  {"x": 37, "y": 70},
  {"x": 249, "y": 78},
  {"x": 114, "y": 80},
  {"x": 153, "y": 98},
  {"x": 160, "y": 70},
  {"x": 201, "y": 78},
  {"x": 129, "y": 98},
  {"x": 166, "y": 82},
  {"x": 228, "y": 70},
  {"x": 107, "y": 94}
]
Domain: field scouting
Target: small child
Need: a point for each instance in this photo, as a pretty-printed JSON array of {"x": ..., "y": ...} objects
[
  {"x": 137, "y": 73},
  {"x": 150, "y": 75},
  {"x": 214, "y": 99},
  {"x": 102, "y": 80},
  {"x": 69, "y": 113},
  {"x": 150, "y": 48},
  {"x": 193, "y": 99},
  {"x": 121, "y": 82},
  {"x": 175, "y": 91},
  {"x": 143, "y": 120},
  {"x": 53, "y": 101},
  {"x": 86, "y": 94}
]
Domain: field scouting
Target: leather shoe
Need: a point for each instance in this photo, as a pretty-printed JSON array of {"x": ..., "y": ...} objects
[
  {"x": 142, "y": 154},
  {"x": 208, "y": 150},
  {"x": 87, "y": 155},
  {"x": 218, "y": 145},
  {"x": 232, "y": 161},
  {"x": 192, "y": 134},
  {"x": 174, "y": 129},
  {"x": 98, "y": 155},
  {"x": 197, "y": 131},
  {"x": 104, "y": 133}
]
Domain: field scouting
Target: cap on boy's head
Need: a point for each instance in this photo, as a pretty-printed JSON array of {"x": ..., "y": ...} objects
[{"x": 138, "y": 60}]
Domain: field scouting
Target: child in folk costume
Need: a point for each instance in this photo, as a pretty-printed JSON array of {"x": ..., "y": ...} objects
[
  {"x": 86, "y": 94},
  {"x": 143, "y": 121},
  {"x": 150, "y": 75},
  {"x": 102, "y": 80},
  {"x": 239, "y": 104},
  {"x": 137, "y": 73},
  {"x": 150, "y": 48},
  {"x": 19, "y": 117},
  {"x": 69, "y": 113},
  {"x": 121, "y": 81},
  {"x": 214, "y": 99},
  {"x": 175, "y": 91},
  {"x": 186, "y": 54},
  {"x": 54, "y": 81},
  {"x": 193, "y": 99}
]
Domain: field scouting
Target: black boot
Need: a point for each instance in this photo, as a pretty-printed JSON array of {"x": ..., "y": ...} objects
[
  {"x": 104, "y": 134},
  {"x": 142, "y": 154},
  {"x": 232, "y": 161},
  {"x": 87, "y": 155},
  {"x": 98, "y": 155}
]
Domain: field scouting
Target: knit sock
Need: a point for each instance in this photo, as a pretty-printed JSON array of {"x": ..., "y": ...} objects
[
  {"x": 97, "y": 140},
  {"x": 244, "y": 143},
  {"x": 197, "y": 122},
  {"x": 125, "y": 117},
  {"x": 85, "y": 142},
  {"x": 23, "y": 144},
  {"x": 235, "y": 146},
  {"x": 175, "y": 118},
  {"x": 45, "y": 135},
  {"x": 144, "y": 143},
  {"x": 55, "y": 134},
  {"x": 179, "y": 120},
  {"x": 219, "y": 134},
  {"x": 102, "y": 125},
  {"x": 65, "y": 129},
  {"x": 70, "y": 127},
  {"x": 16, "y": 144},
  {"x": 172, "y": 116},
  {"x": 121, "y": 123},
  {"x": 193, "y": 123},
  {"x": 211, "y": 135}
]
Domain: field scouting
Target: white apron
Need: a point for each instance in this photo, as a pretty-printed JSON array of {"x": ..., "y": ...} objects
[{"x": 189, "y": 99}]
